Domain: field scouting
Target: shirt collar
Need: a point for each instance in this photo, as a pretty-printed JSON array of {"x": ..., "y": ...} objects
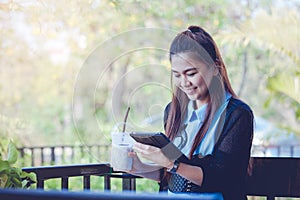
[
  {"x": 199, "y": 114},
  {"x": 193, "y": 114}
]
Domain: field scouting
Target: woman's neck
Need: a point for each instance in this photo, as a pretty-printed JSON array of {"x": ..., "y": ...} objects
[{"x": 199, "y": 103}]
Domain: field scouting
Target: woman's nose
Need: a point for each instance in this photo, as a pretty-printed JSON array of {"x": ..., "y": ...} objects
[{"x": 185, "y": 81}]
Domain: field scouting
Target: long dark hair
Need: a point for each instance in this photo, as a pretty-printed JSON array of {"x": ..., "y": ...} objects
[{"x": 197, "y": 41}]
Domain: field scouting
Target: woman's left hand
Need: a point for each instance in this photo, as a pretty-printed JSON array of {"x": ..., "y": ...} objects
[{"x": 153, "y": 154}]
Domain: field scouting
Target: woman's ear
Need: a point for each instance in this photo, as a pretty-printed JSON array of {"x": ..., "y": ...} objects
[{"x": 216, "y": 69}]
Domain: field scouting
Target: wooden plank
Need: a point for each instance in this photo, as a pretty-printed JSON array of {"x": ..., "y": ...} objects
[
  {"x": 64, "y": 195},
  {"x": 271, "y": 177}
]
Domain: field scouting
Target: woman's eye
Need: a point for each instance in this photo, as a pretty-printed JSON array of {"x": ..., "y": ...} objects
[
  {"x": 177, "y": 75},
  {"x": 191, "y": 74}
]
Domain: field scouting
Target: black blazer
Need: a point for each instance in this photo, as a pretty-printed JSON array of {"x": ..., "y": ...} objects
[{"x": 225, "y": 170}]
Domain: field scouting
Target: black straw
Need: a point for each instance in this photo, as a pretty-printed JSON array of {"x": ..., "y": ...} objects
[{"x": 125, "y": 119}]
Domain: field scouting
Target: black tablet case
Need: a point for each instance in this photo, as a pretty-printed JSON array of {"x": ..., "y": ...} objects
[{"x": 161, "y": 141}]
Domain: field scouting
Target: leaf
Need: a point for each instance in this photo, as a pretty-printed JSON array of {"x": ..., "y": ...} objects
[
  {"x": 24, "y": 175},
  {"x": 9, "y": 184},
  {"x": 31, "y": 176},
  {"x": 268, "y": 101},
  {"x": 17, "y": 182},
  {"x": 4, "y": 165},
  {"x": 24, "y": 183},
  {"x": 12, "y": 153},
  {"x": 28, "y": 179},
  {"x": 298, "y": 113},
  {"x": 3, "y": 180},
  {"x": 287, "y": 85},
  {"x": 255, "y": 31}
]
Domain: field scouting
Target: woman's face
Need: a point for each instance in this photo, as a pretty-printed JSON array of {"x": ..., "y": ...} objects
[{"x": 192, "y": 76}]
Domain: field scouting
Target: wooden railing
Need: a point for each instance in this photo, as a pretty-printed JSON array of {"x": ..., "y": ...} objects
[
  {"x": 64, "y": 154},
  {"x": 70, "y": 154},
  {"x": 65, "y": 172},
  {"x": 275, "y": 151},
  {"x": 268, "y": 176},
  {"x": 271, "y": 177}
]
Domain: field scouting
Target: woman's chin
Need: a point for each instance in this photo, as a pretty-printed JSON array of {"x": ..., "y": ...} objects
[{"x": 192, "y": 97}]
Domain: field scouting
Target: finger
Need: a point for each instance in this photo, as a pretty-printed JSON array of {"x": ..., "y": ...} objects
[
  {"x": 140, "y": 148},
  {"x": 140, "y": 151},
  {"x": 136, "y": 159},
  {"x": 136, "y": 149},
  {"x": 132, "y": 154},
  {"x": 117, "y": 170},
  {"x": 145, "y": 147}
]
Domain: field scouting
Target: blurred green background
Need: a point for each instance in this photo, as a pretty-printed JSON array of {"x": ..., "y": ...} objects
[{"x": 45, "y": 45}]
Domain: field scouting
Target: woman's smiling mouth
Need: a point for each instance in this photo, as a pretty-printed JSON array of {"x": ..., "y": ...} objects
[{"x": 189, "y": 90}]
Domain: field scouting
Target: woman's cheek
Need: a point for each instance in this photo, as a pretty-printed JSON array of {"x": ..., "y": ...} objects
[
  {"x": 177, "y": 82},
  {"x": 200, "y": 81}
]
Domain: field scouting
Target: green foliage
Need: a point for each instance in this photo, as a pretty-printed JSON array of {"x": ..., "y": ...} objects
[
  {"x": 275, "y": 62},
  {"x": 287, "y": 85},
  {"x": 37, "y": 76},
  {"x": 286, "y": 89},
  {"x": 14, "y": 128},
  {"x": 10, "y": 176}
]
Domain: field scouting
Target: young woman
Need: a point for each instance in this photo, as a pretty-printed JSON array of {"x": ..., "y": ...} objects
[{"x": 205, "y": 119}]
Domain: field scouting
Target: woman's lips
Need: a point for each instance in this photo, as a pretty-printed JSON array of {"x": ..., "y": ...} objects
[{"x": 189, "y": 90}]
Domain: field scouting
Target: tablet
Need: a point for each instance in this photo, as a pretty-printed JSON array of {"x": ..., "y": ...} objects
[{"x": 161, "y": 141}]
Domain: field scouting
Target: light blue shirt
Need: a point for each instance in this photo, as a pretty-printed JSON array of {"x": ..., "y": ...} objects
[{"x": 193, "y": 123}]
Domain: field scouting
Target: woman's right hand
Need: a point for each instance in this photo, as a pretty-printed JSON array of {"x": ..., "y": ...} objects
[
  {"x": 139, "y": 167},
  {"x": 145, "y": 170},
  {"x": 137, "y": 164}
]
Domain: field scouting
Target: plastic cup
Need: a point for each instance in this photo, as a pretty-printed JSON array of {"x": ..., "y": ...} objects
[{"x": 120, "y": 146}]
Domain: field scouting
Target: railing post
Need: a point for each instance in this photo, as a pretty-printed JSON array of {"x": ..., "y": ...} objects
[
  {"x": 42, "y": 156},
  {"x": 32, "y": 156},
  {"x": 86, "y": 182},
  {"x": 22, "y": 153},
  {"x": 65, "y": 183},
  {"x": 128, "y": 183},
  {"x": 270, "y": 197},
  {"x": 106, "y": 182},
  {"x": 52, "y": 155},
  {"x": 62, "y": 154},
  {"x": 40, "y": 183},
  {"x": 72, "y": 153},
  {"x": 81, "y": 151},
  {"x": 98, "y": 152}
]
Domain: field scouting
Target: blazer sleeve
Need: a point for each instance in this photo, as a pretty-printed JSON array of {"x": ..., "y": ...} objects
[{"x": 226, "y": 168}]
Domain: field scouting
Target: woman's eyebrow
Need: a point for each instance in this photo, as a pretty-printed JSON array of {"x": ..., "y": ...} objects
[{"x": 185, "y": 71}]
